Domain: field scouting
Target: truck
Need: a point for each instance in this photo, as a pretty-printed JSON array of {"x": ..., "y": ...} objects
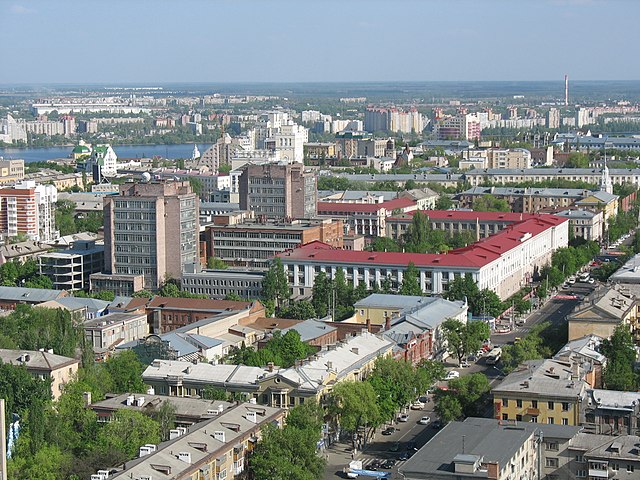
[
  {"x": 354, "y": 470},
  {"x": 494, "y": 356}
]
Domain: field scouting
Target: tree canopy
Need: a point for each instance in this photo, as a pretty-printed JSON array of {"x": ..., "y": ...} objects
[{"x": 281, "y": 350}]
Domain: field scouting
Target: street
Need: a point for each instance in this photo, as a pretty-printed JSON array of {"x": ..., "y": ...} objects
[{"x": 340, "y": 454}]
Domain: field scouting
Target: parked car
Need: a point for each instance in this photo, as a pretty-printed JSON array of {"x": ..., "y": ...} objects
[
  {"x": 437, "y": 424},
  {"x": 464, "y": 364},
  {"x": 389, "y": 464},
  {"x": 403, "y": 456},
  {"x": 452, "y": 374},
  {"x": 388, "y": 430},
  {"x": 423, "y": 399},
  {"x": 403, "y": 418},
  {"x": 417, "y": 405},
  {"x": 424, "y": 420}
]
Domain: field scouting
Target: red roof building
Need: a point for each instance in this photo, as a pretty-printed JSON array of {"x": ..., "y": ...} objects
[{"x": 503, "y": 262}]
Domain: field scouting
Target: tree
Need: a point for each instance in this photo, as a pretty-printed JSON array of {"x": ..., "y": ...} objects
[
  {"x": 214, "y": 393},
  {"x": 322, "y": 293},
  {"x": 577, "y": 160},
  {"x": 216, "y": 264},
  {"x": 621, "y": 355},
  {"x": 463, "y": 288},
  {"x": 127, "y": 431},
  {"x": 463, "y": 339},
  {"x": 469, "y": 390},
  {"x": 395, "y": 383},
  {"x": 275, "y": 286},
  {"x": 411, "y": 281},
  {"x": 354, "y": 405},
  {"x": 126, "y": 371},
  {"x": 301, "y": 310},
  {"x": 447, "y": 406},
  {"x": 487, "y": 302},
  {"x": 165, "y": 416},
  {"x": 444, "y": 202},
  {"x": 490, "y": 203},
  {"x": 197, "y": 185}
]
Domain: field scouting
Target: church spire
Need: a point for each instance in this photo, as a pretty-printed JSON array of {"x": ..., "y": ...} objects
[{"x": 605, "y": 181}]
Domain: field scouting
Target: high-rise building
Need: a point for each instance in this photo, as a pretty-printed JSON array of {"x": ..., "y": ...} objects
[
  {"x": 278, "y": 190},
  {"x": 463, "y": 127},
  {"x": 151, "y": 229},
  {"x": 28, "y": 208},
  {"x": 553, "y": 118}
]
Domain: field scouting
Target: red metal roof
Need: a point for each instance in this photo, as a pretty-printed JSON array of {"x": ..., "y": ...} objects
[
  {"x": 473, "y": 256},
  {"x": 464, "y": 215}
]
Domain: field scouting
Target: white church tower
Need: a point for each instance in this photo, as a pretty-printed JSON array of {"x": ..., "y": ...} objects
[
  {"x": 605, "y": 181},
  {"x": 196, "y": 153}
]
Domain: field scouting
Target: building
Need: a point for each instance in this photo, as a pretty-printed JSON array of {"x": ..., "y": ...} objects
[
  {"x": 106, "y": 332},
  {"x": 350, "y": 360},
  {"x": 483, "y": 448},
  {"x": 12, "y": 131},
  {"x": 593, "y": 176},
  {"x": 12, "y": 296},
  {"x": 217, "y": 448},
  {"x": 601, "y": 201},
  {"x": 479, "y": 224},
  {"x": 44, "y": 364},
  {"x": 504, "y": 262},
  {"x": 28, "y": 208},
  {"x": 102, "y": 163},
  {"x": 123, "y": 285},
  {"x": 11, "y": 171},
  {"x": 602, "y": 311},
  {"x": 278, "y": 190},
  {"x": 609, "y": 412},
  {"x": 367, "y": 219},
  {"x": 151, "y": 229},
  {"x": 22, "y": 251},
  {"x": 80, "y": 308},
  {"x": 187, "y": 410},
  {"x": 604, "y": 456},
  {"x": 459, "y": 127},
  {"x": 526, "y": 200},
  {"x": 218, "y": 284},
  {"x": 541, "y": 391},
  {"x": 425, "y": 198},
  {"x": 586, "y": 351},
  {"x": 393, "y": 120},
  {"x": 186, "y": 347},
  {"x": 586, "y": 224},
  {"x": 70, "y": 269},
  {"x": 553, "y": 118},
  {"x": 319, "y": 151},
  {"x": 254, "y": 244}
]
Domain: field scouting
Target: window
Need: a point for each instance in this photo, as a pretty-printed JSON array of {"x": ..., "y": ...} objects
[
  {"x": 505, "y": 402},
  {"x": 505, "y": 416},
  {"x": 519, "y": 403},
  {"x": 550, "y": 405},
  {"x": 553, "y": 446},
  {"x": 565, "y": 421},
  {"x": 223, "y": 474},
  {"x": 550, "y": 421},
  {"x": 565, "y": 406},
  {"x": 615, "y": 467},
  {"x": 551, "y": 462},
  {"x": 519, "y": 418},
  {"x": 534, "y": 419},
  {"x": 581, "y": 473},
  {"x": 534, "y": 403},
  {"x": 580, "y": 458},
  {"x": 630, "y": 468}
]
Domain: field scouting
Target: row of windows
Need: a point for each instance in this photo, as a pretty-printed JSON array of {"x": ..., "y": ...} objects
[
  {"x": 139, "y": 204},
  {"x": 133, "y": 215},
  {"x": 240, "y": 235},
  {"x": 566, "y": 406}
]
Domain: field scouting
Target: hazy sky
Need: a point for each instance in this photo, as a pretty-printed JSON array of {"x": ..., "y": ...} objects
[{"x": 156, "y": 41}]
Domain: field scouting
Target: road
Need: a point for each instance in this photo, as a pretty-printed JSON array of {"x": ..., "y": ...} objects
[{"x": 339, "y": 455}]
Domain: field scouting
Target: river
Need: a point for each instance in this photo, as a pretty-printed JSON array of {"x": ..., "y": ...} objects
[{"x": 123, "y": 151}]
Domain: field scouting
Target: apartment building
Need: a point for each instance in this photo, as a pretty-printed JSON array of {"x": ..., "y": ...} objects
[
  {"x": 214, "y": 449},
  {"x": 604, "y": 456},
  {"x": 479, "y": 224},
  {"x": 28, "y": 208},
  {"x": 367, "y": 219},
  {"x": 541, "y": 391},
  {"x": 526, "y": 200},
  {"x": 11, "y": 171},
  {"x": 44, "y": 364},
  {"x": 278, "y": 190},
  {"x": 610, "y": 412},
  {"x": 503, "y": 263},
  {"x": 602, "y": 311},
  {"x": 254, "y": 243},
  {"x": 499, "y": 176},
  {"x": 483, "y": 448},
  {"x": 151, "y": 229},
  {"x": 71, "y": 269}
]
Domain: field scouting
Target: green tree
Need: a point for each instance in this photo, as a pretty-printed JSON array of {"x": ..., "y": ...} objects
[
  {"x": 577, "y": 160},
  {"x": 275, "y": 286},
  {"x": 490, "y": 203},
  {"x": 354, "y": 405},
  {"x": 165, "y": 416},
  {"x": 197, "y": 186},
  {"x": 470, "y": 390},
  {"x": 126, "y": 371},
  {"x": 444, "y": 202},
  {"x": 463, "y": 339},
  {"x": 301, "y": 310},
  {"x": 214, "y": 393},
  {"x": 395, "y": 383},
  {"x": 462, "y": 288},
  {"x": 447, "y": 406},
  {"x": 322, "y": 294},
  {"x": 216, "y": 264},
  {"x": 620, "y": 352},
  {"x": 411, "y": 281},
  {"x": 127, "y": 431}
]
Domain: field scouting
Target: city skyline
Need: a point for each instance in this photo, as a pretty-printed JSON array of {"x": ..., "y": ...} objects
[{"x": 282, "y": 41}]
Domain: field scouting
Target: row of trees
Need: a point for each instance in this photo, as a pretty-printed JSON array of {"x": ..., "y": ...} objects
[
  {"x": 281, "y": 350},
  {"x": 23, "y": 274},
  {"x": 542, "y": 341}
]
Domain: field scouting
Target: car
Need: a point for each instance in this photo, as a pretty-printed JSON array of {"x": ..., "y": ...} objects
[
  {"x": 388, "y": 430},
  {"x": 395, "y": 447},
  {"x": 472, "y": 358},
  {"x": 417, "y": 405},
  {"x": 452, "y": 374},
  {"x": 517, "y": 340},
  {"x": 591, "y": 281},
  {"x": 481, "y": 352},
  {"x": 571, "y": 280},
  {"x": 437, "y": 424},
  {"x": 403, "y": 456},
  {"x": 423, "y": 399},
  {"x": 403, "y": 418},
  {"x": 389, "y": 464},
  {"x": 464, "y": 364},
  {"x": 424, "y": 420},
  {"x": 486, "y": 347}
]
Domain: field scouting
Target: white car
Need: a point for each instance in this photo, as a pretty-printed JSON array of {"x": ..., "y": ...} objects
[
  {"x": 403, "y": 418},
  {"x": 417, "y": 405},
  {"x": 424, "y": 421},
  {"x": 452, "y": 374}
]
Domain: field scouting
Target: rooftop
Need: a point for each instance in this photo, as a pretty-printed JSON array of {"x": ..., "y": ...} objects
[
  {"x": 35, "y": 360},
  {"x": 29, "y": 295}
]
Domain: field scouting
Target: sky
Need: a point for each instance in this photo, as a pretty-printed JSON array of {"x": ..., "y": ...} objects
[{"x": 136, "y": 42}]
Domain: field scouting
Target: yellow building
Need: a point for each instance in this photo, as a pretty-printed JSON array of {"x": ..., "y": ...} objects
[
  {"x": 604, "y": 202},
  {"x": 541, "y": 391},
  {"x": 214, "y": 449},
  {"x": 601, "y": 312},
  {"x": 11, "y": 171}
]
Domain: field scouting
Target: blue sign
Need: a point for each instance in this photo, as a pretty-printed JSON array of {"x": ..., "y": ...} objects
[{"x": 370, "y": 473}]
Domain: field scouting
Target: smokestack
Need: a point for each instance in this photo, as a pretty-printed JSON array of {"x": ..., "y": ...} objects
[{"x": 566, "y": 90}]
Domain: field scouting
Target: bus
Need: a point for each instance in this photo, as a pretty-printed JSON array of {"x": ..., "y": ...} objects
[{"x": 494, "y": 355}]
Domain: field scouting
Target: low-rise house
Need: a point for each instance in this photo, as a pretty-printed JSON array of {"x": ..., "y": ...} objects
[
  {"x": 90, "y": 307},
  {"x": 586, "y": 352},
  {"x": 483, "y": 448},
  {"x": 604, "y": 456},
  {"x": 610, "y": 412},
  {"x": 20, "y": 252},
  {"x": 541, "y": 391},
  {"x": 12, "y": 296},
  {"x": 175, "y": 346},
  {"x": 106, "y": 332},
  {"x": 315, "y": 332},
  {"x": 216, "y": 448},
  {"x": 44, "y": 364},
  {"x": 187, "y": 410},
  {"x": 602, "y": 311},
  {"x": 600, "y": 201}
]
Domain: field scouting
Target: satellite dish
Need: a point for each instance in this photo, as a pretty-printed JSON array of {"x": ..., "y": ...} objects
[{"x": 146, "y": 177}]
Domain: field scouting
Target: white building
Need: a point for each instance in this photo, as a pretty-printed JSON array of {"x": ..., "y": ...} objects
[
  {"x": 276, "y": 131},
  {"x": 102, "y": 163},
  {"x": 12, "y": 131}
]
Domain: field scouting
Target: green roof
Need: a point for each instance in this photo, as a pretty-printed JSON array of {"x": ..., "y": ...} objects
[{"x": 81, "y": 149}]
